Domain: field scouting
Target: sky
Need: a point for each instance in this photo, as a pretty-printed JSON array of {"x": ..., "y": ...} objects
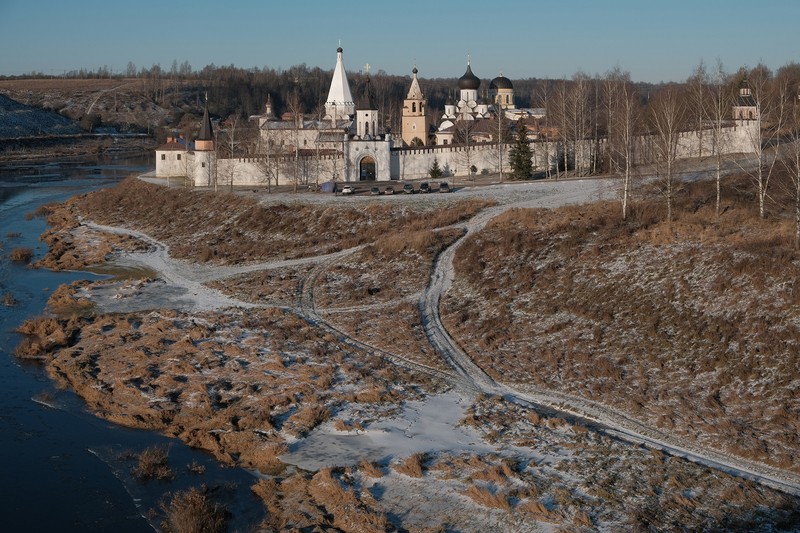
[{"x": 654, "y": 40}]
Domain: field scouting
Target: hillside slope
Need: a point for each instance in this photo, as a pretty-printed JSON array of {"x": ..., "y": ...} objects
[{"x": 20, "y": 120}]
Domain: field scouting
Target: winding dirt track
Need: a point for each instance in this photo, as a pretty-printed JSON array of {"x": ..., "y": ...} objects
[
  {"x": 594, "y": 415},
  {"x": 466, "y": 376}
]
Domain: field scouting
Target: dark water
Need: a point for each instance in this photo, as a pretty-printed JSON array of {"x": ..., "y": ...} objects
[{"x": 62, "y": 469}]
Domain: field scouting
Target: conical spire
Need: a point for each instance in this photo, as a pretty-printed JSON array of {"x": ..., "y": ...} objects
[
  {"x": 206, "y": 130},
  {"x": 414, "y": 92},
  {"x": 339, "y": 104}
]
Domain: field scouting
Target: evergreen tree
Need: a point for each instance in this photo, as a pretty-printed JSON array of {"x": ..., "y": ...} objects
[
  {"x": 520, "y": 154},
  {"x": 435, "y": 172}
]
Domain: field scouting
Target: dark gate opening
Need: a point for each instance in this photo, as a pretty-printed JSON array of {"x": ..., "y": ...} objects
[{"x": 367, "y": 169}]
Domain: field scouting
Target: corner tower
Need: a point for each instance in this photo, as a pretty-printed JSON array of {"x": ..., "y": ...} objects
[
  {"x": 415, "y": 120},
  {"x": 204, "y": 173},
  {"x": 745, "y": 107},
  {"x": 339, "y": 105}
]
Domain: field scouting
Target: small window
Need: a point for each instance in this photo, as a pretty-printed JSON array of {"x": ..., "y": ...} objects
[
  {"x": 413, "y": 107},
  {"x": 203, "y": 164},
  {"x": 163, "y": 157},
  {"x": 179, "y": 157},
  {"x": 445, "y": 141}
]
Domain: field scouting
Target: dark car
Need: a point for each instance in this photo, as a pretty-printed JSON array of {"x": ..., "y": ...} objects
[
  {"x": 375, "y": 191},
  {"x": 424, "y": 187},
  {"x": 408, "y": 188},
  {"x": 444, "y": 187}
]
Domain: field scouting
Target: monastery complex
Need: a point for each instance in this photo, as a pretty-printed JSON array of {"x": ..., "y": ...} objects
[{"x": 350, "y": 143}]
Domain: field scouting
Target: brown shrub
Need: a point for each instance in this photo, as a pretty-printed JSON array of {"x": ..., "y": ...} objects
[
  {"x": 192, "y": 511},
  {"x": 152, "y": 463},
  {"x": 21, "y": 255},
  {"x": 42, "y": 335}
]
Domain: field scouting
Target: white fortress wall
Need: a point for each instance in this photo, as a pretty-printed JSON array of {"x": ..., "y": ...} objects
[{"x": 415, "y": 163}]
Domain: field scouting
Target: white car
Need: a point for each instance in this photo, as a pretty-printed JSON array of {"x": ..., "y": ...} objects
[{"x": 348, "y": 189}]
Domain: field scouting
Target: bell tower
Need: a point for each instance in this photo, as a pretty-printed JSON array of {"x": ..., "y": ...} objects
[{"x": 415, "y": 119}]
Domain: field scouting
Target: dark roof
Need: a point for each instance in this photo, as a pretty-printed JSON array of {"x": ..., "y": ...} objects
[
  {"x": 367, "y": 100},
  {"x": 501, "y": 82},
  {"x": 469, "y": 80},
  {"x": 745, "y": 95},
  {"x": 206, "y": 131}
]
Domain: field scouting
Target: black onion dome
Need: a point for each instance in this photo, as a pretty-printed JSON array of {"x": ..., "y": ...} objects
[
  {"x": 469, "y": 80},
  {"x": 501, "y": 82},
  {"x": 339, "y": 50}
]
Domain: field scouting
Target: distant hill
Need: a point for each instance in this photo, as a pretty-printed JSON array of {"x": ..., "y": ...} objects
[{"x": 20, "y": 120}]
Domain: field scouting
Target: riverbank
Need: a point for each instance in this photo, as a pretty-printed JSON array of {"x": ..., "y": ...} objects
[
  {"x": 299, "y": 341},
  {"x": 35, "y": 150}
]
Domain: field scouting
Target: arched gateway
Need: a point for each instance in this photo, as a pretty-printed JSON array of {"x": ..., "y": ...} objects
[{"x": 366, "y": 169}]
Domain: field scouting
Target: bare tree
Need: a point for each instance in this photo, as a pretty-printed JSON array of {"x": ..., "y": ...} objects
[
  {"x": 622, "y": 112},
  {"x": 667, "y": 118},
  {"x": 791, "y": 161},
  {"x": 721, "y": 100},
  {"x": 770, "y": 116},
  {"x": 580, "y": 120},
  {"x": 697, "y": 99},
  {"x": 542, "y": 97}
]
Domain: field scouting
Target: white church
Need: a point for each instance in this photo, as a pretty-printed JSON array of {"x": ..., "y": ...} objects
[{"x": 349, "y": 143}]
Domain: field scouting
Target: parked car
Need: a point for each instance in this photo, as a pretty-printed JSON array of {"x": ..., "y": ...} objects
[
  {"x": 348, "y": 189},
  {"x": 408, "y": 188},
  {"x": 388, "y": 190},
  {"x": 375, "y": 191},
  {"x": 444, "y": 187},
  {"x": 424, "y": 187}
]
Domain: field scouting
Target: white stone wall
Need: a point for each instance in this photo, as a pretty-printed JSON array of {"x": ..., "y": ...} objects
[
  {"x": 202, "y": 169},
  {"x": 171, "y": 163}
]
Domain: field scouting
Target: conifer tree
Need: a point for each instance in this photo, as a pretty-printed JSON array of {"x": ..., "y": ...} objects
[
  {"x": 435, "y": 171},
  {"x": 520, "y": 154}
]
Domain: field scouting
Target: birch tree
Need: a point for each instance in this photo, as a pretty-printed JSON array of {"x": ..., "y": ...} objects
[
  {"x": 720, "y": 110},
  {"x": 697, "y": 99},
  {"x": 770, "y": 117},
  {"x": 667, "y": 117}
]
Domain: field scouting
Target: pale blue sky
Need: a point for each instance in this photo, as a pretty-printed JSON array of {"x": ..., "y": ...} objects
[{"x": 654, "y": 40}]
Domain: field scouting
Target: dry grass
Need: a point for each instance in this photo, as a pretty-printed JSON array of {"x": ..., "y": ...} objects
[
  {"x": 21, "y": 255},
  {"x": 370, "y": 469},
  {"x": 692, "y": 326},
  {"x": 488, "y": 497},
  {"x": 153, "y": 463},
  {"x": 412, "y": 466},
  {"x": 228, "y": 228},
  {"x": 192, "y": 511}
]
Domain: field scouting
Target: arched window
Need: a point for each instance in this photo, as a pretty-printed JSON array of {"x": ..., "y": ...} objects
[
  {"x": 413, "y": 107},
  {"x": 751, "y": 115}
]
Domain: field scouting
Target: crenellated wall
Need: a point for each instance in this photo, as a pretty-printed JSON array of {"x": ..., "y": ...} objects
[{"x": 203, "y": 169}]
